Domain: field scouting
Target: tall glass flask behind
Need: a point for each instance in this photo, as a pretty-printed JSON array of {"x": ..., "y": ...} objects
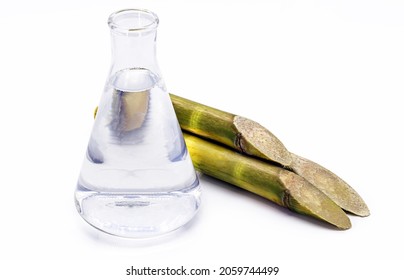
[{"x": 137, "y": 179}]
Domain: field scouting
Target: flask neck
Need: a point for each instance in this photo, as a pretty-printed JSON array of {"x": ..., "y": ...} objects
[
  {"x": 134, "y": 52},
  {"x": 133, "y": 40}
]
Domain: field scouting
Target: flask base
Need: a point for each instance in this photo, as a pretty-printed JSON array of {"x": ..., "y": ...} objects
[{"x": 137, "y": 215}]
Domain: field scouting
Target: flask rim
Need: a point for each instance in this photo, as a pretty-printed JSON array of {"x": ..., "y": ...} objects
[{"x": 141, "y": 20}]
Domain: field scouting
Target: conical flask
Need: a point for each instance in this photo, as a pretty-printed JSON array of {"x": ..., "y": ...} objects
[{"x": 137, "y": 179}]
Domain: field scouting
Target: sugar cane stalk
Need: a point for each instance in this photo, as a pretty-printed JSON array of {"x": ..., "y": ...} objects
[
  {"x": 267, "y": 180},
  {"x": 237, "y": 132}
]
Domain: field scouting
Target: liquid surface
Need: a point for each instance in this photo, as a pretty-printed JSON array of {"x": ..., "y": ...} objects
[{"x": 137, "y": 178}]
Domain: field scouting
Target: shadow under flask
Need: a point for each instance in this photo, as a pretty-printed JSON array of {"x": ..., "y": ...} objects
[{"x": 137, "y": 179}]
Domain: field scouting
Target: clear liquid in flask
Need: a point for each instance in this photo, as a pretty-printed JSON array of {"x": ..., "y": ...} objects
[{"x": 137, "y": 179}]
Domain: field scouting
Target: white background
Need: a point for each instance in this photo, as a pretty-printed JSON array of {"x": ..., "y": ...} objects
[{"x": 324, "y": 76}]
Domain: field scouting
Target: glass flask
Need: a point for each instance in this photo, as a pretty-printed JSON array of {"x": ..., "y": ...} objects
[{"x": 137, "y": 179}]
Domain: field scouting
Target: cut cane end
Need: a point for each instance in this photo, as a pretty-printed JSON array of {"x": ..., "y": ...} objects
[
  {"x": 304, "y": 198},
  {"x": 256, "y": 140},
  {"x": 331, "y": 185}
]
